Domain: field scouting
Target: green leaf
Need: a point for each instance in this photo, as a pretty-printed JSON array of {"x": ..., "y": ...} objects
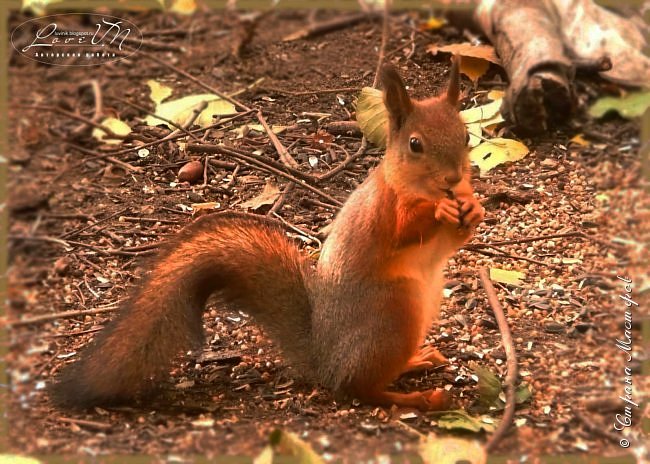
[
  {"x": 523, "y": 393},
  {"x": 489, "y": 385},
  {"x": 372, "y": 116},
  {"x": 494, "y": 152},
  {"x": 450, "y": 450},
  {"x": 507, "y": 277},
  {"x": 630, "y": 106},
  {"x": 117, "y": 126},
  {"x": 460, "y": 420},
  {"x": 179, "y": 111}
]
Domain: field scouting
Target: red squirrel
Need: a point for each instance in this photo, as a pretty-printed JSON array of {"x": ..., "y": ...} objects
[{"x": 354, "y": 323}]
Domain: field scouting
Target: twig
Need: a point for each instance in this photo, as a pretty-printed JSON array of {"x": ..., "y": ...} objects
[
  {"x": 595, "y": 429},
  {"x": 502, "y": 253},
  {"x": 285, "y": 157},
  {"x": 86, "y": 423},
  {"x": 55, "y": 109},
  {"x": 511, "y": 359},
  {"x": 348, "y": 160},
  {"x": 62, "y": 315},
  {"x": 311, "y": 92},
  {"x": 78, "y": 231},
  {"x": 298, "y": 230},
  {"x": 99, "y": 103},
  {"x": 329, "y": 26},
  {"x": 263, "y": 165},
  {"x": 277, "y": 206},
  {"x": 110, "y": 159}
]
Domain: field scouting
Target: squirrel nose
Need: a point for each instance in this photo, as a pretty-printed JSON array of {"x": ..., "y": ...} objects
[{"x": 453, "y": 179}]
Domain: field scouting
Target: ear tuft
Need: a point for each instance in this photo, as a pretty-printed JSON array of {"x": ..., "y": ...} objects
[
  {"x": 398, "y": 104},
  {"x": 453, "y": 90}
]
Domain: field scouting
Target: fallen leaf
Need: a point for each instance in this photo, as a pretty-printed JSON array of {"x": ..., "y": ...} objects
[
  {"x": 243, "y": 130},
  {"x": 507, "y": 277},
  {"x": 117, "y": 126},
  {"x": 15, "y": 459},
  {"x": 321, "y": 140},
  {"x": 186, "y": 7},
  {"x": 579, "y": 140},
  {"x": 496, "y": 151},
  {"x": 269, "y": 194},
  {"x": 483, "y": 112},
  {"x": 474, "y": 130},
  {"x": 460, "y": 420},
  {"x": 450, "y": 450},
  {"x": 523, "y": 393},
  {"x": 179, "y": 111},
  {"x": 288, "y": 443},
  {"x": 475, "y": 59},
  {"x": 265, "y": 457},
  {"x": 630, "y": 106},
  {"x": 38, "y": 6},
  {"x": 432, "y": 24},
  {"x": 489, "y": 385},
  {"x": 485, "y": 52},
  {"x": 158, "y": 92},
  {"x": 371, "y": 115}
]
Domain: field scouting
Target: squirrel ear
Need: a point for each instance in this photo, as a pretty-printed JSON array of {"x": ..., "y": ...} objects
[
  {"x": 453, "y": 91},
  {"x": 398, "y": 104}
]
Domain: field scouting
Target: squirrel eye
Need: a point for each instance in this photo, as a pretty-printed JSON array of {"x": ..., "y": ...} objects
[{"x": 415, "y": 144}]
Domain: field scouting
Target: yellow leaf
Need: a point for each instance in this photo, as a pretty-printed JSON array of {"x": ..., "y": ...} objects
[
  {"x": 432, "y": 24},
  {"x": 494, "y": 152},
  {"x": 450, "y": 450},
  {"x": 481, "y": 113},
  {"x": 474, "y": 130},
  {"x": 15, "y": 459},
  {"x": 507, "y": 277},
  {"x": 186, "y": 7},
  {"x": 371, "y": 115},
  {"x": 158, "y": 91},
  {"x": 496, "y": 94},
  {"x": 287, "y": 443},
  {"x": 484, "y": 52},
  {"x": 473, "y": 67},
  {"x": 38, "y": 6},
  {"x": 117, "y": 126},
  {"x": 579, "y": 140},
  {"x": 179, "y": 111}
]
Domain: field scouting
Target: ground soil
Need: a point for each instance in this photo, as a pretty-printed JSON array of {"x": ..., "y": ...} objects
[{"x": 565, "y": 317}]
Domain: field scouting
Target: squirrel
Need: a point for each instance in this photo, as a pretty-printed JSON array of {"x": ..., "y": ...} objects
[{"x": 355, "y": 321}]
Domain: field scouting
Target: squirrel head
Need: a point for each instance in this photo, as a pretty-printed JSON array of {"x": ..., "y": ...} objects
[{"x": 426, "y": 148}]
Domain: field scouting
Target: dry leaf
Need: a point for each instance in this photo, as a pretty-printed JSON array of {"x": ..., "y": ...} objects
[
  {"x": 205, "y": 206},
  {"x": 494, "y": 152},
  {"x": 158, "y": 91},
  {"x": 579, "y": 140},
  {"x": 481, "y": 113},
  {"x": 117, "y": 126},
  {"x": 371, "y": 115},
  {"x": 507, "y": 277},
  {"x": 268, "y": 196},
  {"x": 180, "y": 110},
  {"x": 432, "y": 24},
  {"x": 475, "y": 59},
  {"x": 450, "y": 450},
  {"x": 484, "y": 52}
]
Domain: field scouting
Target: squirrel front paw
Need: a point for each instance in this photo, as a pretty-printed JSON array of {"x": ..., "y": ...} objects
[
  {"x": 448, "y": 212},
  {"x": 472, "y": 212}
]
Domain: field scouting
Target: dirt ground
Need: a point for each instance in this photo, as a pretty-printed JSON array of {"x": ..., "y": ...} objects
[{"x": 82, "y": 225}]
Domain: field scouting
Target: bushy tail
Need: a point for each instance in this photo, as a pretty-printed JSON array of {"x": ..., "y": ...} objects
[{"x": 250, "y": 262}]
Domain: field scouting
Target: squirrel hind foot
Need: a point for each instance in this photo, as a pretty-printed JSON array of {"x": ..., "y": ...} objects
[{"x": 429, "y": 400}]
